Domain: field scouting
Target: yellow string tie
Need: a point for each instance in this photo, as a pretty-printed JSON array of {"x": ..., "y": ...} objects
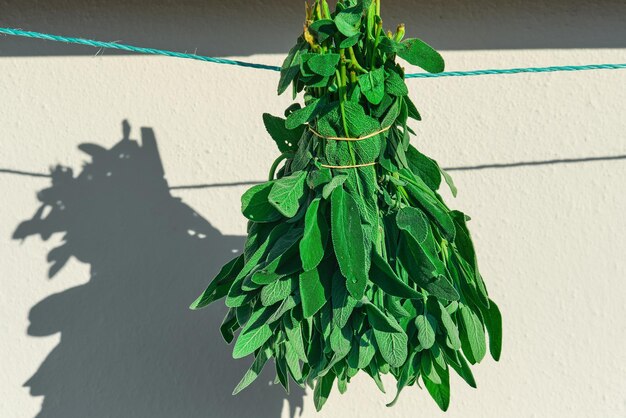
[
  {"x": 339, "y": 138},
  {"x": 349, "y": 166}
]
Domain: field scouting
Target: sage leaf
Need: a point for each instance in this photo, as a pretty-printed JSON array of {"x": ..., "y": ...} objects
[
  {"x": 426, "y": 327},
  {"x": 256, "y": 332},
  {"x": 382, "y": 275},
  {"x": 472, "y": 335},
  {"x": 347, "y": 237},
  {"x": 493, "y": 323},
  {"x": 440, "y": 392},
  {"x": 313, "y": 243},
  {"x": 254, "y": 371},
  {"x": 287, "y": 193},
  {"x": 255, "y": 204},
  {"x": 323, "y": 64},
  {"x": 343, "y": 303},
  {"x": 291, "y": 66},
  {"x": 286, "y": 139},
  {"x": 314, "y": 291},
  {"x": 418, "y": 52}
]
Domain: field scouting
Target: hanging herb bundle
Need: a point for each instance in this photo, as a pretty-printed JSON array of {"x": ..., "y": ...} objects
[{"x": 353, "y": 261}]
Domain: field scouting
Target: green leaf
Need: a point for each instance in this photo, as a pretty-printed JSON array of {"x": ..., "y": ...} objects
[
  {"x": 229, "y": 326},
  {"x": 392, "y": 346},
  {"x": 418, "y": 52},
  {"x": 449, "y": 182},
  {"x": 373, "y": 85},
  {"x": 323, "y": 29},
  {"x": 411, "y": 109},
  {"x": 291, "y": 65},
  {"x": 323, "y": 386},
  {"x": 472, "y": 335},
  {"x": 367, "y": 350},
  {"x": 254, "y": 371},
  {"x": 348, "y": 20},
  {"x": 382, "y": 275},
  {"x": 314, "y": 291},
  {"x": 452, "y": 331},
  {"x": 456, "y": 360},
  {"x": 313, "y": 242},
  {"x": 280, "y": 260},
  {"x": 351, "y": 41},
  {"x": 347, "y": 237},
  {"x": 335, "y": 182},
  {"x": 426, "y": 326},
  {"x": 340, "y": 339},
  {"x": 413, "y": 221},
  {"x": 287, "y": 193},
  {"x": 255, "y": 204},
  {"x": 304, "y": 115},
  {"x": 324, "y": 64},
  {"x": 319, "y": 177},
  {"x": 436, "y": 210},
  {"x": 343, "y": 303},
  {"x": 395, "y": 85},
  {"x": 256, "y": 332},
  {"x": 493, "y": 323},
  {"x": 378, "y": 320},
  {"x": 286, "y": 139},
  {"x": 219, "y": 286},
  {"x": 392, "y": 114},
  {"x": 286, "y": 305},
  {"x": 291, "y": 357},
  {"x": 277, "y": 291},
  {"x": 440, "y": 392},
  {"x": 293, "y": 330},
  {"x": 424, "y": 167}
]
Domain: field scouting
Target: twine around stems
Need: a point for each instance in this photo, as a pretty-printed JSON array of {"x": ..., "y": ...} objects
[{"x": 340, "y": 138}]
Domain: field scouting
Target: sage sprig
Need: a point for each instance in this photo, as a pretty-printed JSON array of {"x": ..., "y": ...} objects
[{"x": 362, "y": 267}]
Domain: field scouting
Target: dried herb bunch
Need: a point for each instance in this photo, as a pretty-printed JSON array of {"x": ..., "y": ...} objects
[{"x": 353, "y": 261}]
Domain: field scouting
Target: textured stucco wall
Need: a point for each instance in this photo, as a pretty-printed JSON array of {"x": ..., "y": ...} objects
[{"x": 539, "y": 160}]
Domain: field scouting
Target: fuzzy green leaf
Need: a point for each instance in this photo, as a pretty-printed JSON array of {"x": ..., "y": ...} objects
[
  {"x": 373, "y": 85},
  {"x": 440, "y": 392},
  {"x": 426, "y": 326},
  {"x": 256, "y": 332},
  {"x": 313, "y": 242},
  {"x": 472, "y": 335},
  {"x": 493, "y": 323},
  {"x": 254, "y": 371},
  {"x": 323, "y": 386},
  {"x": 418, "y": 52},
  {"x": 277, "y": 291},
  {"x": 347, "y": 237},
  {"x": 343, "y": 303},
  {"x": 291, "y": 65},
  {"x": 314, "y": 291},
  {"x": 348, "y": 20},
  {"x": 219, "y": 286},
  {"x": 287, "y": 193},
  {"x": 382, "y": 275},
  {"x": 324, "y": 64},
  {"x": 255, "y": 204},
  {"x": 286, "y": 139}
]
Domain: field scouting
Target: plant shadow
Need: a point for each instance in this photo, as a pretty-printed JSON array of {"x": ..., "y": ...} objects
[{"x": 129, "y": 345}]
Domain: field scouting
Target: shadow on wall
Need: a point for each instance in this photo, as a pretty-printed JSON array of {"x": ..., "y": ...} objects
[
  {"x": 129, "y": 345},
  {"x": 242, "y": 27}
]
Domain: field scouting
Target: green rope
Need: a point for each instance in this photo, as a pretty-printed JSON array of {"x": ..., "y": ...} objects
[{"x": 153, "y": 51}]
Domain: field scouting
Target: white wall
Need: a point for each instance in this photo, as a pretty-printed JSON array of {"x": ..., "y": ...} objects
[{"x": 539, "y": 160}]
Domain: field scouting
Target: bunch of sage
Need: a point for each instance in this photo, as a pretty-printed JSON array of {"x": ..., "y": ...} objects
[{"x": 353, "y": 261}]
